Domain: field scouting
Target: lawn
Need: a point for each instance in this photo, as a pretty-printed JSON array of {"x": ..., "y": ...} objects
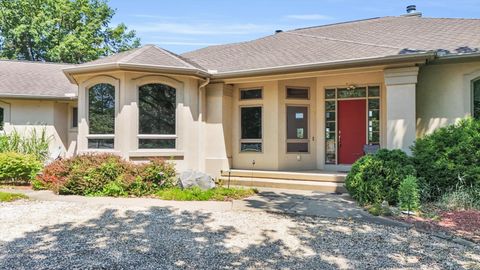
[
  {"x": 9, "y": 197},
  {"x": 196, "y": 194}
]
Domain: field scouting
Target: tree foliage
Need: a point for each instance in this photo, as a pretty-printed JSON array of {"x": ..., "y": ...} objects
[{"x": 69, "y": 31}]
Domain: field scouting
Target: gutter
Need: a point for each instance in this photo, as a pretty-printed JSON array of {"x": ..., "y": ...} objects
[
  {"x": 26, "y": 96},
  {"x": 429, "y": 55},
  {"x": 136, "y": 67}
]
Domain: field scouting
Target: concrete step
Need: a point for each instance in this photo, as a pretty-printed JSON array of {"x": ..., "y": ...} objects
[
  {"x": 317, "y": 176},
  {"x": 320, "y": 186}
]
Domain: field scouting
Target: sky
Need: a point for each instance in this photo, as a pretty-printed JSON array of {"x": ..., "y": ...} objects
[{"x": 186, "y": 25}]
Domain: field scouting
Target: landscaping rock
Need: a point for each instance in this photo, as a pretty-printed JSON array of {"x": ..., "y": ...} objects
[{"x": 189, "y": 179}]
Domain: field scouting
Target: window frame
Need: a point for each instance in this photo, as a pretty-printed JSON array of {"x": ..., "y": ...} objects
[
  {"x": 297, "y": 87},
  {"x": 89, "y": 84},
  {"x": 156, "y": 136},
  {"x": 248, "y": 89},
  {"x": 179, "y": 97},
  {"x": 241, "y": 141},
  {"x": 472, "y": 102},
  {"x": 307, "y": 139}
]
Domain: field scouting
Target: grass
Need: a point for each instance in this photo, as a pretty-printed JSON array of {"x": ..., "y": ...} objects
[
  {"x": 9, "y": 197},
  {"x": 196, "y": 194}
]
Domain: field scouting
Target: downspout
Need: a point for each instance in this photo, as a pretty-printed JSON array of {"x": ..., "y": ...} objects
[{"x": 201, "y": 137}]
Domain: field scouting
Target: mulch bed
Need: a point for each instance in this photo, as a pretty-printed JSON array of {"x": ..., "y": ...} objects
[{"x": 465, "y": 224}]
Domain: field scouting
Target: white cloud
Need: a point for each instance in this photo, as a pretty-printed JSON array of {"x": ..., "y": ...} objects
[
  {"x": 202, "y": 28},
  {"x": 309, "y": 17}
]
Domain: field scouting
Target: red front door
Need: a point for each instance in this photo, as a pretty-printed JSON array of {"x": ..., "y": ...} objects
[{"x": 352, "y": 130}]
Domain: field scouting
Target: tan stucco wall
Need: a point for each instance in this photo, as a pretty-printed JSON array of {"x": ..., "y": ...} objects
[
  {"x": 274, "y": 155},
  {"x": 187, "y": 152},
  {"x": 444, "y": 94},
  {"x": 24, "y": 115}
]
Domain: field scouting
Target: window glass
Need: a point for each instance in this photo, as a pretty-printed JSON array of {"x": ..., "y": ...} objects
[
  {"x": 476, "y": 99},
  {"x": 156, "y": 143},
  {"x": 297, "y": 93},
  {"x": 330, "y": 93},
  {"x": 101, "y": 109},
  {"x": 100, "y": 143},
  {"x": 251, "y": 147},
  {"x": 251, "y": 93},
  {"x": 374, "y": 121},
  {"x": 373, "y": 91},
  {"x": 251, "y": 122},
  {"x": 75, "y": 117},
  {"x": 157, "y": 106},
  {"x": 297, "y": 129},
  {"x": 352, "y": 93},
  {"x": 2, "y": 118}
]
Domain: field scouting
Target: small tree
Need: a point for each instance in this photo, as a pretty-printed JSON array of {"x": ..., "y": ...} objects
[
  {"x": 409, "y": 194},
  {"x": 68, "y": 31}
]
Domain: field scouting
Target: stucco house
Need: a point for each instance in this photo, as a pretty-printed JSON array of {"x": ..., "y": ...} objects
[{"x": 311, "y": 99}]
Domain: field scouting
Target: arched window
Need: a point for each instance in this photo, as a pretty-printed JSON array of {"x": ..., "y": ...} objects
[
  {"x": 157, "y": 125},
  {"x": 476, "y": 99},
  {"x": 101, "y": 116}
]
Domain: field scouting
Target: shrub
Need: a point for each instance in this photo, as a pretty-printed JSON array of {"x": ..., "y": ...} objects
[
  {"x": 409, "y": 194},
  {"x": 107, "y": 175},
  {"x": 448, "y": 159},
  {"x": 375, "y": 178},
  {"x": 15, "y": 167},
  {"x": 34, "y": 143}
]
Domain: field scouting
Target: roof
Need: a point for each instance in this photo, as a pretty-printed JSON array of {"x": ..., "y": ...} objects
[
  {"x": 24, "y": 79},
  {"x": 148, "y": 56},
  {"x": 351, "y": 41}
]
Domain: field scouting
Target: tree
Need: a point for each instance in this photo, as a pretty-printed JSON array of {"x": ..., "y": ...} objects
[{"x": 68, "y": 31}]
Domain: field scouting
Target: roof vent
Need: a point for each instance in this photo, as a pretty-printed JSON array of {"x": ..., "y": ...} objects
[
  {"x": 412, "y": 11},
  {"x": 278, "y": 31}
]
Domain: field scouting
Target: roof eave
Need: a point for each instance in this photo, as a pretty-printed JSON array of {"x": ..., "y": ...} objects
[
  {"x": 417, "y": 57},
  {"x": 39, "y": 97},
  {"x": 69, "y": 72}
]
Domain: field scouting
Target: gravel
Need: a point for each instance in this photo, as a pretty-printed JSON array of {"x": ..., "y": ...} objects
[{"x": 72, "y": 235}]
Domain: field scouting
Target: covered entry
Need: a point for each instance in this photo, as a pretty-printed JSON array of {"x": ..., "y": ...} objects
[{"x": 352, "y": 121}]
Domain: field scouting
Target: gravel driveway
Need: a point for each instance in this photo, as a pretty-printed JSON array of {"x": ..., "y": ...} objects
[{"x": 66, "y": 235}]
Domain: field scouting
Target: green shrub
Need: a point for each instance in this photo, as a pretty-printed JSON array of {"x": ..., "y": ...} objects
[
  {"x": 375, "y": 178},
  {"x": 106, "y": 175},
  {"x": 448, "y": 159},
  {"x": 33, "y": 143},
  {"x": 409, "y": 194},
  {"x": 378, "y": 210},
  {"x": 15, "y": 167}
]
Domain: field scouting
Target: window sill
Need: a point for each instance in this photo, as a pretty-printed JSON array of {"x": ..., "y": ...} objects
[
  {"x": 156, "y": 153},
  {"x": 96, "y": 151}
]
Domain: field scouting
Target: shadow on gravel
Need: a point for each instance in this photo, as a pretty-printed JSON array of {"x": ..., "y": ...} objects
[{"x": 163, "y": 239}]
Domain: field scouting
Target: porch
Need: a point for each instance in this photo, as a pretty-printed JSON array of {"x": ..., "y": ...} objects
[{"x": 313, "y": 180}]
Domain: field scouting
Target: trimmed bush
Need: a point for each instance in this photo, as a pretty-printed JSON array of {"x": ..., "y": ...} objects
[
  {"x": 375, "y": 178},
  {"x": 449, "y": 159},
  {"x": 106, "y": 175},
  {"x": 15, "y": 167},
  {"x": 409, "y": 194}
]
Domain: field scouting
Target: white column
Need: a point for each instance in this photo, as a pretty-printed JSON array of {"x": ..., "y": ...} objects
[{"x": 400, "y": 108}]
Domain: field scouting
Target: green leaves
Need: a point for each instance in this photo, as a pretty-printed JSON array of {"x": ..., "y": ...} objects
[{"x": 69, "y": 31}]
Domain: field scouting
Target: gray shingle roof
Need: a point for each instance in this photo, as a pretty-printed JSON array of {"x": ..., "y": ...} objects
[
  {"x": 364, "y": 39},
  {"x": 146, "y": 55},
  {"x": 34, "y": 79}
]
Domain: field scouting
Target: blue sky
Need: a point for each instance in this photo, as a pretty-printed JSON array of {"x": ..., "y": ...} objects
[{"x": 185, "y": 25}]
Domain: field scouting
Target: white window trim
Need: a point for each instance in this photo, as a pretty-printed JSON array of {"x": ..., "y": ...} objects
[
  {"x": 179, "y": 99},
  {"x": 251, "y": 140},
  {"x": 468, "y": 80},
  {"x": 86, "y": 87},
  {"x": 6, "y": 114}
]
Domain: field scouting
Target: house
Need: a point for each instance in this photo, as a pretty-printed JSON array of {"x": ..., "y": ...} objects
[{"x": 308, "y": 99}]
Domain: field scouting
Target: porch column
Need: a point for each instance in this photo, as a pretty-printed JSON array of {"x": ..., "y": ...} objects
[{"x": 400, "y": 107}]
